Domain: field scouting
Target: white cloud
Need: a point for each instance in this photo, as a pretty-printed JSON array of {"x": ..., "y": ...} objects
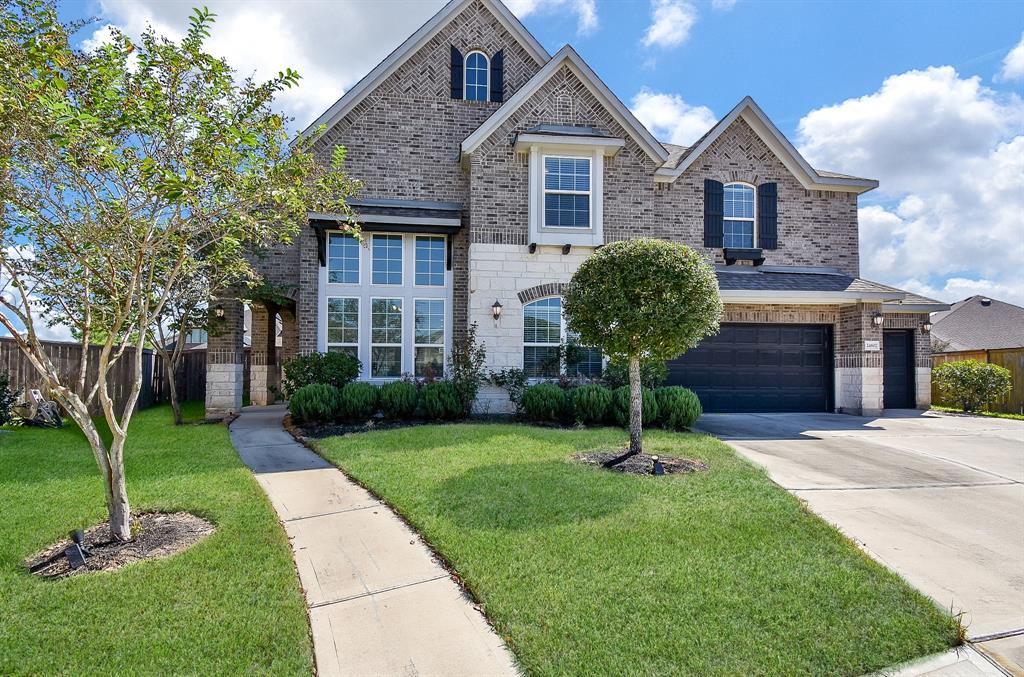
[
  {"x": 950, "y": 159},
  {"x": 1013, "y": 63},
  {"x": 585, "y": 10},
  {"x": 670, "y": 118},
  {"x": 671, "y": 21},
  {"x": 723, "y": 5}
]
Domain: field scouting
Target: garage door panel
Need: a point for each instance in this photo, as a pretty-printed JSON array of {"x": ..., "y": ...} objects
[{"x": 760, "y": 367}]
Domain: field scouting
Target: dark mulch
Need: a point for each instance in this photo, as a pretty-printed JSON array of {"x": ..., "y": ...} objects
[
  {"x": 641, "y": 464},
  {"x": 157, "y": 534},
  {"x": 318, "y": 431}
]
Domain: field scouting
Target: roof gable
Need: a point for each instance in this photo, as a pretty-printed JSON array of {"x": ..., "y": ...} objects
[
  {"x": 568, "y": 57},
  {"x": 412, "y": 44},
  {"x": 980, "y": 323},
  {"x": 751, "y": 113}
]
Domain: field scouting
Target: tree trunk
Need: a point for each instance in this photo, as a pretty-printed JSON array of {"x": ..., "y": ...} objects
[
  {"x": 172, "y": 387},
  {"x": 636, "y": 415},
  {"x": 117, "y": 494}
]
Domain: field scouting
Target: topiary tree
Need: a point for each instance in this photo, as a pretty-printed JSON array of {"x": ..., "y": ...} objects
[
  {"x": 972, "y": 384},
  {"x": 642, "y": 300}
]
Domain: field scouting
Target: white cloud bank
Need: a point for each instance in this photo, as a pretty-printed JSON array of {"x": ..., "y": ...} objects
[
  {"x": 1013, "y": 63},
  {"x": 671, "y": 118},
  {"x": 671, "y": 22},
  {"x": 585, "y": 11},
  {"x": 950, "y": 158}
]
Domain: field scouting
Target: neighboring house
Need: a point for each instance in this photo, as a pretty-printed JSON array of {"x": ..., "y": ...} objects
[
  {"x": 977, "y": 324},
  {"x": 493, "y": 169}
]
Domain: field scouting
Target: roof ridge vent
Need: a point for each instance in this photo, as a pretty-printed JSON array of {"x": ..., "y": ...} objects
[{"x": 985, "y": 301}]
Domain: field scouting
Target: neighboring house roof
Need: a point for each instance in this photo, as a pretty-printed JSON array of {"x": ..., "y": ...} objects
[
  {"x": 979, "y": 323},
  {"x": 808, "y": 176},
  {"x": 567, "y": 56},
  {"x": 353, "y": 96},
  {"x": 782, "y": 283}
]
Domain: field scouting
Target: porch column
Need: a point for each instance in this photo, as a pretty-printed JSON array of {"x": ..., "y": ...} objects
[
  {"x": 859, "y": 360},
  {"x": 263, "y": 380},
  {"x": 289, "y": 335},
  {"x": 224, "y": 362}
]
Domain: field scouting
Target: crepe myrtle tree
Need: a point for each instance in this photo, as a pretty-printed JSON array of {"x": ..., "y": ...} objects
[
  {"x": 130, "y": 176},
  {"x": 641, "y": 300}
]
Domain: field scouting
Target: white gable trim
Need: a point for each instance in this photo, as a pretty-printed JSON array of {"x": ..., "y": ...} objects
[
  {"x": 568, "y": 56},
  {"x": 778, "y": 143},
  {"x": 385, "y": 68}
]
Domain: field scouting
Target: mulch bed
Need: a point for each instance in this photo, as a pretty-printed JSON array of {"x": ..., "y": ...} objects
[
  {"x": 157, "y": 534},
  {"x": 641, "y": 464},
  {"x": 316, "y": 431}
]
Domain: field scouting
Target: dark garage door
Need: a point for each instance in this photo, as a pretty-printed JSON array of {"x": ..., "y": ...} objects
[{"x": 760, "y": 367}]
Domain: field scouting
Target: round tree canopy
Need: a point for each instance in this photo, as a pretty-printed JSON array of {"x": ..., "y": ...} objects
[{"x": 646, "y": 298}]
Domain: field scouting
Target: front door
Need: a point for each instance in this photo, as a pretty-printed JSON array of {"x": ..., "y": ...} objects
[{"x": 898, "y": 384}]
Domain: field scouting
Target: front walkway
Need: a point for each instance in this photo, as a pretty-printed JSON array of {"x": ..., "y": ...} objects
[{"x": 379, "y": 604}]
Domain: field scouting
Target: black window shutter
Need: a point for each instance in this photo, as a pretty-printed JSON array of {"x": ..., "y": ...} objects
[
  {"x": 714, "y": 209},
  {"x": 456, "y": 73},
  {"x": 767, "y": 216},
  {"x": 497, "y": 75}
]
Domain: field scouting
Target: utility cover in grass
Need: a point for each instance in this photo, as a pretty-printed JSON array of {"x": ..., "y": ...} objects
[
  {"x": 641, "y": 464},
  {"x": 156, "y": 535}
]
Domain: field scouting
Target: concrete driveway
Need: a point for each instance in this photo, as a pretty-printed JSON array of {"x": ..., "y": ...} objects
[{"x": 937, "y": 498}]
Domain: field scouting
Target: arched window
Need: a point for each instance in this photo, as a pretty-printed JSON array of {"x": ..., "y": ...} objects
[
  {"x": 478, "y": 77},
  {"x": 543, "y": 330},
  {"x": 738, "y": 224}
]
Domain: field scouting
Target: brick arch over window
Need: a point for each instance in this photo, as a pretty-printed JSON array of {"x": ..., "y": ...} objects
[{"x": 540, "y": 291}]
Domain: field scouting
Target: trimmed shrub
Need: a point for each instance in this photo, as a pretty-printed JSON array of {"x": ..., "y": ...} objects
[
  {"x": 315, "y": 402},
  {"x": 440, "y": 401},
  {"x": 398, "y": 399},
  {"x": 336, "y": 369},
  {"x": 544, "y": 402},
  {"x": 620, "y": 406},
  {"x": 971, "y": 384},
  {"x": 678, "y": 407},
  {"x": 652, "y": 373},
  {"x": 359, "y": 400},
  {"x": 590, "y": 403},
  {"x": 8, "y": 398}
]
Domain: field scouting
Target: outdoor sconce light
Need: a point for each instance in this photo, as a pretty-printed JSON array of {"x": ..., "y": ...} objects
[
  {"x": 926, "y": 326},
  {"x": 496, "y": 311},
  {"x": 877, "y": 319},
  {"x": 218, "y": 310}
]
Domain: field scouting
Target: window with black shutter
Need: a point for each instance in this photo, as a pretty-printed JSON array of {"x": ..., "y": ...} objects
[
  {"x": 497, "y": 75},
  {"x": 457, "y": 75},
  {"x": 714, "y": 208},
  {"x": 767, "y": 216}
]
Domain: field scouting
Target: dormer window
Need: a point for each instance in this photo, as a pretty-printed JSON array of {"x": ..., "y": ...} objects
[
  {"x": 566, "y": 192},
  {"x": 478, "y": 70},
  {"x": 738, "y": 216}
]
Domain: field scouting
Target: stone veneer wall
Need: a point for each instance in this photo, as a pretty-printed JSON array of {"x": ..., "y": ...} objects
[
  {"x": 858, "y": 371},
  {"x": 224, "y": 362}
]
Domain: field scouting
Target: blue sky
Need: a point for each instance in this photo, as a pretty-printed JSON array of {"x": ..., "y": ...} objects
[{"x": 924, "y": 96}]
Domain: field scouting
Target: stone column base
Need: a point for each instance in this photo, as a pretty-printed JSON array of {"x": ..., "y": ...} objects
[
  {"x": 223, "y": 390},
  {"x": 262, "y": 383}
]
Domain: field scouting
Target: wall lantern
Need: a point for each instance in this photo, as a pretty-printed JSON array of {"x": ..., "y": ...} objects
[
  {"x": 926, "y": 326},
  {"x": 218, "y": 310},
  {"x": 496, "y": 311},
  {"x": 877, "y": 319}
]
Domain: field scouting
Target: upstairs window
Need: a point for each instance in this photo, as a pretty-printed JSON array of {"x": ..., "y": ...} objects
[
  {"x": 342, "y": 259},
  {"x": 478, "y": 77},
  {"x": 387, "y": 259},
  {"x": 430, "y": 254},
  {"x": 566, "y": 192},
  {"x": 738, "y": 216}
]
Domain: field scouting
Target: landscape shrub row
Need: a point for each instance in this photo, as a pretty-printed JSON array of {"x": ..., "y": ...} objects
[
  {"x": 672, "y": 407},
  {"x": 358, "y": 401}
]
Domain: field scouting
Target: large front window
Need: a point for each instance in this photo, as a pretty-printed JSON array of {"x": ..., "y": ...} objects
[
  {"x": 387, "y": 259},
  {"x": 342, "y": 259},
  {"x": 385, "y": 338},
  {"x": 428, "y": 337},
  {"x": 566, "y": 192},
  {"x": 478, "y": 77},
  {"x": 430, "y": 253},
  {"x": 738, "y": 225},
  {"x": 543, "y": 329},
  {"x": 343, "y": 326}
]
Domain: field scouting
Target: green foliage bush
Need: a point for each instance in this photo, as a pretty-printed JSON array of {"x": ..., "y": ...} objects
[
  {"x": 971, "y": 384},
  {"x": 399, "y": 399},
  {"x": 440, "y": 401},
  {"x": 466, "y": 368},
  {"x": 620, "y": 406},
  {"x": 315, "y": 402},
  {"x": 652, "y": 373},
  {"x": 678, "y": 407},
  {"x": 544, "y": 402},
  {"x": 8, "y": 398},
  {"x": 513, "y": 380},
  {"x": 590, "y": 404},
  {"x": 336, "y": 369},
  {"x": 359, "y": 400}
]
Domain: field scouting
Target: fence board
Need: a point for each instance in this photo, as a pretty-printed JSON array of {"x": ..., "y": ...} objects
[{"x": 1010, "y": 358}]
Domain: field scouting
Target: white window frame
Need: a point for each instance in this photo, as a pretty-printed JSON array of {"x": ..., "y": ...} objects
[
  {"x": 327, "y": 327},
  {"x": 584, "y": 237},
  {"x": 401, "y": 249},
  {"x": 359, "y": 262},
  {"x": 400, "y": 345},
  {"x": 444, "y": 334},
  {"x": 444, "y": 260},
  {"x": 563, "y": 336},
  {"x": 589, "y": 192},
  {"x": 753, "y": 219},
  {"x": 487, "y": 74}
]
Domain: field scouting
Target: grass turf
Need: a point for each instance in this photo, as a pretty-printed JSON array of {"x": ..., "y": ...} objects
[
  {"x": 990, "y": 414},
  {"x": 229, "y": 605},
  {"x": 585, "y": 571}
]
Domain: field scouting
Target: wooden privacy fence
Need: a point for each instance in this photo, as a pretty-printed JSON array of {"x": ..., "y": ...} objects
[
  {"x": 67, "y": 358},
  {"x": 1010, "y": 358}
]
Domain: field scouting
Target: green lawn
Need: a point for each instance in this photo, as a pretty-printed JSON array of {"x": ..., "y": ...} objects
[
  {"x": 585, "y": 571},
  {"x": 229, "y": 605},
  {"x": 990, "y": 414}
]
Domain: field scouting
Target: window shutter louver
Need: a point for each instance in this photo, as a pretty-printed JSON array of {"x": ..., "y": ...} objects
[
  {"x": 497, "y": 75},
  {"x": 714, "y": 209},
  {"x": 767, "y": 216},
  {"x": 457, "y": 73}
]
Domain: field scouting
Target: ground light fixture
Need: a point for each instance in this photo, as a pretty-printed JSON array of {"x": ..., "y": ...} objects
[
  {"x": 496, "y": 310},
  {"x": 877, "y": 319}
]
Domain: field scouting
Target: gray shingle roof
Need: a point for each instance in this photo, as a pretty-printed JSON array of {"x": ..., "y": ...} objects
[
  {"x": 757, "y": 280},
  {"x": 973, "y": 324}
]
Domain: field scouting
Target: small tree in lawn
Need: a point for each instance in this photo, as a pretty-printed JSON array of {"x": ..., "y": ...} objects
[
  {"x": 127, "y": 175},
  {"x": 642, "y": 300}
]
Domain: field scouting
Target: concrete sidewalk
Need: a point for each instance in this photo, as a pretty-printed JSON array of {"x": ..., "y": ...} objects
[{"x": 379, "y": 604}]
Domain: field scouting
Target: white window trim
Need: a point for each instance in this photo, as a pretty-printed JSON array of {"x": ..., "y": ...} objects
[
  {"x": 754, "y": 219},
  {"x": 586, "y": 237},
  {"x": 359, "y": 323},
  {"x": 401, "y": 249},
  {"x": 545, "y": 191},
  {"x": 563, "y": 336},
  {"x": 444, "y": 334},
  {"x": 444, "y": 262},
  {"x": 359, "y": 262},
  {"x": 400, "y": 345},
  {"x": 465, "y": 80}
]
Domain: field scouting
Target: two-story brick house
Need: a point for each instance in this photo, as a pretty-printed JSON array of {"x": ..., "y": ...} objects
[{"x": 492, "y": 169}]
